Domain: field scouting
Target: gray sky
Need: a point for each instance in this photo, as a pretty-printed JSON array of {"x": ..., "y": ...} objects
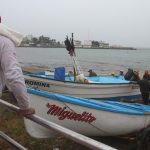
[{"x": 122, "y": 22}]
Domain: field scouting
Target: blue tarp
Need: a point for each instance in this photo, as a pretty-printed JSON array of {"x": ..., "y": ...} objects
[{"x": 111, "y": 106}]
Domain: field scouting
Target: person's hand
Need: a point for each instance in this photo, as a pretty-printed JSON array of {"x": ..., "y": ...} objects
[{"x": 26, "y": 112}]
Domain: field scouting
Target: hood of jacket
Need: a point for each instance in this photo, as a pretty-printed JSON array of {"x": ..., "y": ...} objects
[{"x": 14, "y": 36}]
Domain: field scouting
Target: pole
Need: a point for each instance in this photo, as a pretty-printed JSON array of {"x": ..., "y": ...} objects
[
  {"x": 79, "y": 138},
  {"x": 11, "y": 141}
]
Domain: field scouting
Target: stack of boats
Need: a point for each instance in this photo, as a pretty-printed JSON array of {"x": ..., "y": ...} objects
[{"x": 92, "y": 108}]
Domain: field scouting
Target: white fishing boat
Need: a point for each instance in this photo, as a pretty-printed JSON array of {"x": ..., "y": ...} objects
[
  {"x": 100, "y": 87},
  {"x": 86, "y": 116}
]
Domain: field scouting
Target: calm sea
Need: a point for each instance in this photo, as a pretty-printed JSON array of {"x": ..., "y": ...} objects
[{"x": 103, "y": 61}]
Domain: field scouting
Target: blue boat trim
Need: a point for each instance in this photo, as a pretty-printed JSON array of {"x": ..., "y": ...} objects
[
  {"x": 95, "y": 80},
  {"x": 112, "y": 106},
  {"x": 118, "y": 98}
]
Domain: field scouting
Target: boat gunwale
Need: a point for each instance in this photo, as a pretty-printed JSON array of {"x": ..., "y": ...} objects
[
  {"x": 129, "y": 83},
  {"x": 138, "y": 111}
]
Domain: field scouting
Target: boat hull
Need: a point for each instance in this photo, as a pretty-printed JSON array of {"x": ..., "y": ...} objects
[
  {"x": 118, "y": 91},
  {"x": 84, "y": 120}
]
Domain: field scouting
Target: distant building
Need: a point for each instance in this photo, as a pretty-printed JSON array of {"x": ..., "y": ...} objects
[
  {"x": 87, "y": 44},
  {"x": 103, "y": 44},
  {"x": 29, "y": 37},
  {"x": 77, "y": 43},
  {"x": 95, "y": 44},
  {"x": 26, "y": 41}
]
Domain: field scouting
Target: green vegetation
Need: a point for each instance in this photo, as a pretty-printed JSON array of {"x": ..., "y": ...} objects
[
  {"x": 13, "y": 125},
  {"x": 41, "y": 41}
]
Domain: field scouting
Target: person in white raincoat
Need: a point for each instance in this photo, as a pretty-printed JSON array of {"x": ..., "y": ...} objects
[{"x": 10, "y": 71}]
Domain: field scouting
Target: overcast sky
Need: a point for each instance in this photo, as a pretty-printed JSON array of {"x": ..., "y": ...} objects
[{"x": 122, "y": 22}]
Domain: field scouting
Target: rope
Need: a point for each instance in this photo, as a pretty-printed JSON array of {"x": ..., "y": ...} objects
[{"x": 76, "y": 65}]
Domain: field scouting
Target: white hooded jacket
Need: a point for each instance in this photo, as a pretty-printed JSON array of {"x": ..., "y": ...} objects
[{"x": 10, "y": 71}]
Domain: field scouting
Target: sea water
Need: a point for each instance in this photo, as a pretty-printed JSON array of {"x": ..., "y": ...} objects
[{"x": 102, "y": 61}]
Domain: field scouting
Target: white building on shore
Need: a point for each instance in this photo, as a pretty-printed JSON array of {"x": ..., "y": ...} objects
[
  {"x": 95, "y": 44},
  {"x": 87, "y": 44},
  {"x": 77, "y": 43}
]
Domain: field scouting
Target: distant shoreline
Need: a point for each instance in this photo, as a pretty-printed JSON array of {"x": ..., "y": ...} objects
[{"x": 119, "y": 48}]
